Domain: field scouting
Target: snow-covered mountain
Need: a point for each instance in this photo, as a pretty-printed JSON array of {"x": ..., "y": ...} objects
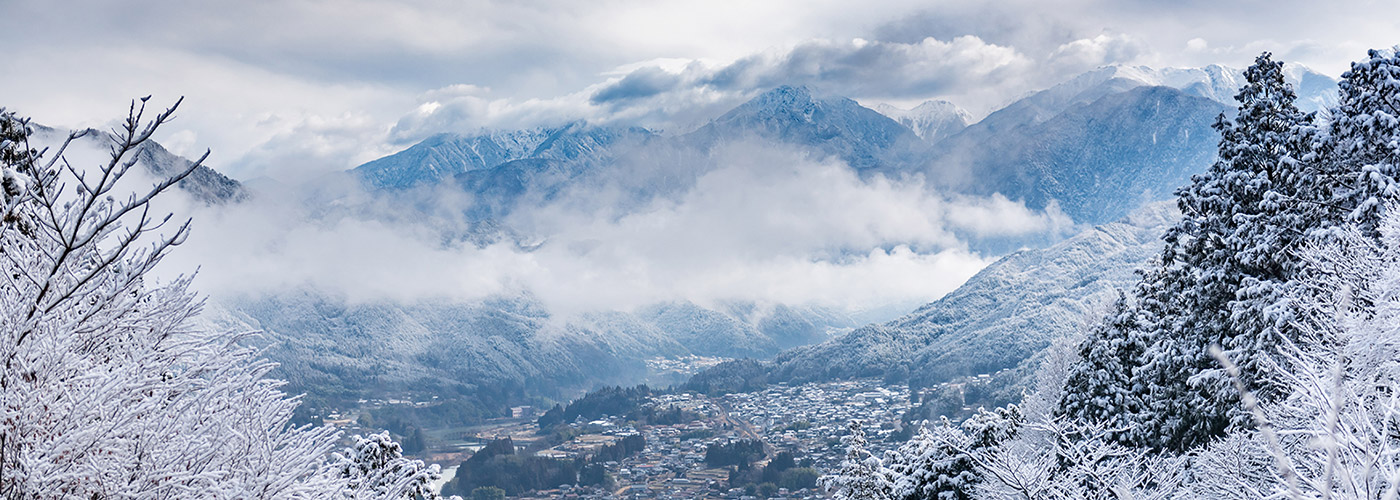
[
  {"x": 1099, "y": 144},
  {"x": 1220, "y": 83},
  {"x": 1104, "y": 142},
  {"x": 834, "y": 126},
  {"x": 445, "y": 156},
  {"x": 932, "y": 120},
  {"x": 204, "y": 184},
  {"x": 999, "y": 318},
  {"x": 1103, "y": 152},
  {"x": 331, "y": 347}
]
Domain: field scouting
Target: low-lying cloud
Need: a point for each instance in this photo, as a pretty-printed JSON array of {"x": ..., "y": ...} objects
[{"x": 759, "y": 223}]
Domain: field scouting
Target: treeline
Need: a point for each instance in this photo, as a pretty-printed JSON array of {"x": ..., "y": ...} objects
[
  {"x": 456, "y": 404},
  {"x": 783, "y": 471},
  {"x": 671, "y": 415},
  {"x": 740, "y": 375},
  {"x": 630, "y": 403},
  {"x": 739, "y": 453},
  {"x": 611, "y": 401},
  {"x": 627, "y": 446},
  {"x": 499, "y": 466}
]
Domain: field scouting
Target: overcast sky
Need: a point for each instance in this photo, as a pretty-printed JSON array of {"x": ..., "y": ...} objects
[{"x": 292, "y": 88}]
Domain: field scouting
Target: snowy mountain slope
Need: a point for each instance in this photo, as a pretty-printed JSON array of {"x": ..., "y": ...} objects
[
  {"x": 932, "y": 120},
  {"x": 444, "y": 156},
  {"x": 1105, "y": 141},
  {"x": 1220, "y": 83},
  {"x": 204, "y": 184},
  {"x": 497, "y": 190},
  {"x": 1001, "y": 317},
  {"x": 1099, "y": 160},
  {"x": 1214, "y": 82},
  {"x": 505, "y": 170},
  {"x": 833, "y": 126},
  {"x": 328, "y": 347},
  {"x": 742, "y": 330}
]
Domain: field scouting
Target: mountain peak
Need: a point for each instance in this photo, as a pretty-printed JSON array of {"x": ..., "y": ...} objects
[
  {"x": 788, "y": 100},
  {"x": 834, "y": 125},
  {"x": 931, "y": 120},
  {"x": 786, "y": 94}
]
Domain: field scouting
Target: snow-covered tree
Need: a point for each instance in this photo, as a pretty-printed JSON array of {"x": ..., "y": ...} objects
[
  {"x": 106, "y": 389},
  {"x": 1337, "y": 432},
  {"x": 862, "y": 475},
  {"x": 944, "y": 462},
  {"x": 1359, "y": 156},
  {"x": 1228, "y": 265},
  {"x": 1098, "y": 386},
  {"x": 1000, "y": 455},
  {"x": 1260, "y": 358},
  {"x": 376, "y": 468},
  {"x": 929, "y": 466},
  {"x": 1223, "y": 279}
]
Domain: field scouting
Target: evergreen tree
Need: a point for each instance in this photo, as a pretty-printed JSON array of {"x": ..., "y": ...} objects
[
  {"x": 1231, "y": 258},
  {"x": 1230, "y": 271},
  {"x": 1098, "y": 389},
  {"x": 942, "y": 463},
  {"x": 1223, "y": 279},
  {"x": 415, "y": 442},
  {"x": 862, "y": 475},
  {"x": 927, "y": 467},
  {"x": 488, "y": 493},
  {"x": 1359, "y": 156}
]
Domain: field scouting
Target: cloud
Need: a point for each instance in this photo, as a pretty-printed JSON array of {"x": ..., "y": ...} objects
[
  {"x": 760, "y": 223},
  {"x": 1101, "y": 50},
  {"x": 930, "y": 66},
  {"x": 998, "y": 217},
  {"x": 677, "y": 96},
  {"x": 644, "y": 82},
  {"x": 466, "y": 112}
]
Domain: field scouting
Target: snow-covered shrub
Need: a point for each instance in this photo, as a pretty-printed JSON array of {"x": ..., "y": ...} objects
[{"x": 106, "y": 390}]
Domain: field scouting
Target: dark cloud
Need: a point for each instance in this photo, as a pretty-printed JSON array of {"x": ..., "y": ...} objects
[
  {"x": 645, "y": 82},
  {"x": 994, "y": 22},
  {"x": 414, "y": 45},
  {"x": 863, "y": 68}
]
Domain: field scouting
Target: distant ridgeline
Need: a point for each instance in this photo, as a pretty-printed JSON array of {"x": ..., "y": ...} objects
[
  {"x": 204, "y": 184},
  {"x": 1100, "y": 144}
]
